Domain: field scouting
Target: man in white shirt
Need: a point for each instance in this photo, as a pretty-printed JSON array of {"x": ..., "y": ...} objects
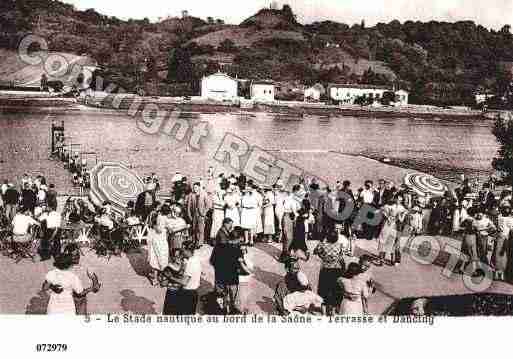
[
  {"x": 51, "y": 239},
  {"x": 21, "y": 225},
  {"x": 368, "y": 197},
  {"x": 291, "y": 207}
]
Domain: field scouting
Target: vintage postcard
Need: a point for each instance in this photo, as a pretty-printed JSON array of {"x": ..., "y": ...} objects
[{"x": 272, "y": 164}]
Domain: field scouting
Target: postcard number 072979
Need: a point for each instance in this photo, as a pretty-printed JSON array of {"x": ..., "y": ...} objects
[{"x": 51, "y": 347}]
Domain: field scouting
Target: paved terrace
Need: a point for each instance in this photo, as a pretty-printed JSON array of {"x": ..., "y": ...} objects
[{"x": 126, "y": 290}]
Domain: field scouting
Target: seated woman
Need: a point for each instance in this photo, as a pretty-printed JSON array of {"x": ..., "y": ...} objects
[
  {"x": 304, "y": 300},
  {"x": 288, "y": 285}
]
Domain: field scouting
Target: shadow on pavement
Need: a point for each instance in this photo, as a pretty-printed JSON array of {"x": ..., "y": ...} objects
[
  {"x": 270, "y": 279},
  {"x": 136, "y": 304},
  {"x": 39, "y": 304},
  {"x": 269, "y": 249},
  {"x": 266, "y": 305},
  {"x": 139, "y": 262}
]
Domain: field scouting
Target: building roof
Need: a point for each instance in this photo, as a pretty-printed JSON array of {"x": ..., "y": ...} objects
[
  {"x": 262, "y": 82},
  {"x": 360, "y": 86},
  {"x": 220, "y": 74},
  {"x": 319, "y": 87}
]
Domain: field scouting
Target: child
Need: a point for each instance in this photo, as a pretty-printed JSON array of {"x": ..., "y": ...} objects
[
  {"x": 246, "y": 282},
  {"x": 416, "y": 221},
  {"x": 366, "y": 277}
]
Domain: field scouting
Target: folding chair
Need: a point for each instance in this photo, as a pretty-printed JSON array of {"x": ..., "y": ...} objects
[
  {"x": 25, "y": 249},
  {"x": 137, "y": 236},
  {"x": 84, "y": 238}
]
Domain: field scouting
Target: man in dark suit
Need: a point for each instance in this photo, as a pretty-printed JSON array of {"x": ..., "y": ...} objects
[
  {"x": 486, "y": 198},
  {"x": 197, "y": 204},
  {"x": 145, "y": 203}
]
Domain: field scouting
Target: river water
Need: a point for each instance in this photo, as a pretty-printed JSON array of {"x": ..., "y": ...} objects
[{"x": 445, "y": 148}]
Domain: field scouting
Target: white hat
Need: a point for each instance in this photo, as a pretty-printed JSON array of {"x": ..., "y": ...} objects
[
  {"x": 302, "y": 279},
  {"x": 177, "y": 177}
]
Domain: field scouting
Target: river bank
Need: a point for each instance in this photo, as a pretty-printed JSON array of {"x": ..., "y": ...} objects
[{"x": 11, "y": 100}]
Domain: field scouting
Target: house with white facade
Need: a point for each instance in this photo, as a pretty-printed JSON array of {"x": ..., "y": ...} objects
[
  {"x": 218, "y": 87},
  {"x": 314, "y": 93},
  {"x": 348, "y": 93},
  {"x": 262, "y": 90},
  {"x": 401, "y": 97},
  {"x": 482, "y": 97}
]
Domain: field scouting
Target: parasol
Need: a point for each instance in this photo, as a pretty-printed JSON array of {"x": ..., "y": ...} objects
[
  {"x": 114, "y": 182},
  {"x": 425, "y": 185}
]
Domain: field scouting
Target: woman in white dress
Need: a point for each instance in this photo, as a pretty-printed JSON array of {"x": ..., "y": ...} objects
[
  {"x": 354, "y": 290},
  {"x": 232, "y": 204},
  {"x": 217, "y": 212},
  {"x": 268, "y": 214},
  {"x": 460, "y": 215},
  {"x": 248, "y": 216},
  {"x": 393, "y": 212},
  {"x": 260, "y": 210},
  {"x": 63, "y": 284},
  {"x": 279, "y": 195},
  {"x": 158, "y": 246}
]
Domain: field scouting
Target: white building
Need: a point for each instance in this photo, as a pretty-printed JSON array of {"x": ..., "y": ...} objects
[
  {"x": 482, "y": 97},
  {"x": 314, "y": 93},
  {"x": 262, "y": 91},
  {"x": 218, "y": 87},
  {"x": 401, "y": 98},
  {"x": 348, "y": 93}
]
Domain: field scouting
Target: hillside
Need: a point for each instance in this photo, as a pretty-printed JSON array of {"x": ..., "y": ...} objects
[
  {"x": 13, "y": 71},
  {"x": 438, "y": 62},
  {"x": 246, "y": 37}
]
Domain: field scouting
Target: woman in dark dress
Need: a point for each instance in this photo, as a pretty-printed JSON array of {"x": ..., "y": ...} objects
[
  {"x": 304, "y": 222},
  {"x": 332, "y": 267}
]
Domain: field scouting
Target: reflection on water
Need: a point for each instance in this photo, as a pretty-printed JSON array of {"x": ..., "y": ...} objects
[{"x": 438, "y": 146}]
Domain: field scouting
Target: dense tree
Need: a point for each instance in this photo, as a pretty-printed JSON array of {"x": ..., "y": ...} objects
[
  {"x": 180, "y": 68},
  {"x": 503, "y": 163}
]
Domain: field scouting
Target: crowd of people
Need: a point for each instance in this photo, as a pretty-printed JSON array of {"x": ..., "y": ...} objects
[{"x": 232, "y": 213}]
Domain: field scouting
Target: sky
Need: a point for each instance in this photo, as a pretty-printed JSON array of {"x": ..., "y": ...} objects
[{"x": 490, "y": 13}]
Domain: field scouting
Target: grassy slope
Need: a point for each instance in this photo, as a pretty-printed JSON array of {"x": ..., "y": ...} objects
[{"x": 12, "y": 68}]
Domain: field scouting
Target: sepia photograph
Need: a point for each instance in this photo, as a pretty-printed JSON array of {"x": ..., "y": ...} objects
[{"x": 264, "y": 163}]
